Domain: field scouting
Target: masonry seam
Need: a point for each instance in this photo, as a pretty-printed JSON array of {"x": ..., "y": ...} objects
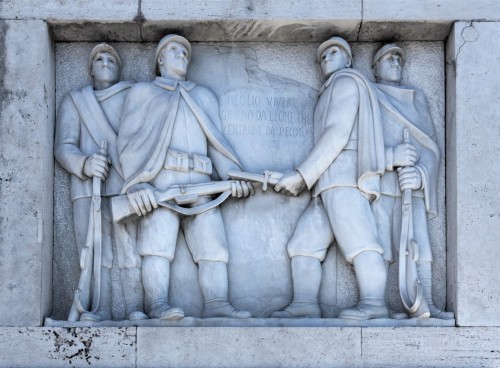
[
  {"x": 361, "y": 22},
  {"x": 139, "y": 18},
  {"x": 136, "y": 341}
]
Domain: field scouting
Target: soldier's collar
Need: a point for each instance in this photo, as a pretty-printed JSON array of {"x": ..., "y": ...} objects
[
  {"x": 104, "y": 94},
  {"x": 326, "y": 84},
  {"x": 330, "y": 78},
  {"x": 171, "y": 84},
  {"x": 388, "y": 87},
  {"x": 344, "y": 71},
  {"x": 402, "y": 92}
]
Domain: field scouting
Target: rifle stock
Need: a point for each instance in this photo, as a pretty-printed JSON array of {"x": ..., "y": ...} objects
[{"x": 122, "y": 210}]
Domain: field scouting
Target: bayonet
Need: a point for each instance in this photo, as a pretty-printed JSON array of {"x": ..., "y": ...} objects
[{"x": 268, "y": 177}]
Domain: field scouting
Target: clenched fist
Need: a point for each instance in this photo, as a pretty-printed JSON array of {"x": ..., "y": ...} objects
[
  {"x": 97, "y": 165},
  {"x": 142, "y": 198},
  {"x": 291, "y": 184},
  {"x": 409, "y": 178}
]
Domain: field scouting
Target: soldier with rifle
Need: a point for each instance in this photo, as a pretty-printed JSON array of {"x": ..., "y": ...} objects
[
  {"x": 409, "y": 185},
  {"x": 85, "y": 145},
  {"x": 343, "y": 169},
  {"x": 169, "y": 139}
]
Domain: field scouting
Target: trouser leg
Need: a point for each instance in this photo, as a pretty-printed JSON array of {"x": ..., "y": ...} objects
[
  {"x": 214, "y": 286},
  {"x": 371, "y": 274},
  {"x": 424, "y": 270},
  {"x": 156, "y": 241},
  {"x": 133, "y": 292},
  {"x": 206, "y": 239},
  {"x": 307, "y": 249},
  {"x": 130, "y": 264},
  {"x": 306, "y": 277},
  {"x": 156, "y": 280},
  {"x": 383, "y": 212},
  {"x": 355, "y": 229}
]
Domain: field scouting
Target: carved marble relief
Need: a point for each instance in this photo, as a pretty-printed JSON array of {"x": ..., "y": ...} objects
[
  {"x": 86, "y": 146},
  {"x": 165, "y": 170}
]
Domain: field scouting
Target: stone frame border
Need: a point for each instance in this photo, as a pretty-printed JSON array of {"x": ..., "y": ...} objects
[
  {"x": 36, "y": 226},
  {"x": 56, "y": 29}
]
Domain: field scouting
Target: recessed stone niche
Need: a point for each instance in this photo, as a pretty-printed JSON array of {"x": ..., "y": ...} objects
[{"x": 267, "y": 92}]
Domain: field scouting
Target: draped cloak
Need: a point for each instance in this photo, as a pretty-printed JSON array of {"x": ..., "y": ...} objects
[
  {"x": 319, "y": 167},
  {"x": 405, "y": 107},
  {"x": 86, "y": 118},
  {"x": 146, "y": 129}
]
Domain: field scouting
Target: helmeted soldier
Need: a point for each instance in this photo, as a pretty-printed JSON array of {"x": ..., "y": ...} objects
[
  {"x": 86, "y": 118},
  {"x": 344, "y": 169},
  {"x": 413, "y": 164},
  {"x": 170, "y": 135}
]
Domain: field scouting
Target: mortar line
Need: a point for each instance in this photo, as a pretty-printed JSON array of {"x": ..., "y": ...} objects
[
  {"x": 136, "y": 341},
  {"x": 362, "y": 18}
]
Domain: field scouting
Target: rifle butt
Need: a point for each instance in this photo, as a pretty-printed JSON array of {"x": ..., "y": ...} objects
[
  {"x": 74, "y": 315},
  {"x": 121, "y": 210}
]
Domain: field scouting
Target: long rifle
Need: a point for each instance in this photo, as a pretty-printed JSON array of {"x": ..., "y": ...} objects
[
  {"x": 410, "y": 288},
  {"x": 90, "y": 257},
  {"x": 174, "y": 197}
]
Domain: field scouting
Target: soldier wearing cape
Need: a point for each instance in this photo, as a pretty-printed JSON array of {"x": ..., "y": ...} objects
[
  {"x": 405, "y": 109},
  {"x": 86, "y": 118},
  {"x": 168, "y": 136}
]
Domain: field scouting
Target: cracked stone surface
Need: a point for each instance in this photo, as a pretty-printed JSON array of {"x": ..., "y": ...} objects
[
  {"x": 62, "y": 347},
  {"x": 473, "y": 171}
]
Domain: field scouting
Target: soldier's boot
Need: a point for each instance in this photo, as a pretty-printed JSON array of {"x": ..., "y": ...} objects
[
  {"x": 156, "y": 280},
  {"x": 371, "y": 275},
  {"x": 214, "y": 285},
  {"x": 306, "y": 277},
  {"x": 392, "y": 313},
  {"x": 133, "y": 293},
  {"x": 424, "y": 270},
  {"x": 103, "y": 312}
]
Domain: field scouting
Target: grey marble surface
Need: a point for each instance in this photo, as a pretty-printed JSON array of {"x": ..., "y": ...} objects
[
  {"x": 473, "y": 137},
  {"x": 257, "y": 243}
]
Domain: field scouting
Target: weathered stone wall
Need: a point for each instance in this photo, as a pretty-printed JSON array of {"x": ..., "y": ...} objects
[
  {"x": 250, "y": 347},
  {"x": 26, "y": 172},
  {"x": 473, "y": 185},
  {"x": 259, "y": 227},
  {"x": 472, "y": 55}
]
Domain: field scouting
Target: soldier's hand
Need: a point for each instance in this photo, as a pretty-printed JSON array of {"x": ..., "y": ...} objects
[
  {"x": 409, "y": 178},
  {"x": 142, "y": 198},
  {"x": 97, "y": 165},
  {"x": 242, "y": 189},
  {"x": 404, "y": 155},
  {"x": 291, "y": 184}
]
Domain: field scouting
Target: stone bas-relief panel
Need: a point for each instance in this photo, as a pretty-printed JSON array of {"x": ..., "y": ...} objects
[{"x": 267, "y": 94}]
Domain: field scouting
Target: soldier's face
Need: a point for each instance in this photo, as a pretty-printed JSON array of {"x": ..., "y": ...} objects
[
  {"x": 389, "y": 68},
  {"x": 105, "y": 68},
  {"x": 174, "y": 60},
  {"x": 333, "y": 59}
]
